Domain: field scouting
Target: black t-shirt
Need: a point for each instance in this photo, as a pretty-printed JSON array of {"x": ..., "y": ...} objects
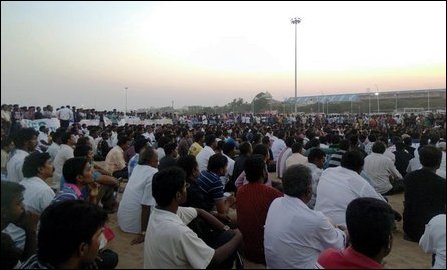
[
  {"x": 197, "y": 198},
  {"x": 424, "y": 198}
]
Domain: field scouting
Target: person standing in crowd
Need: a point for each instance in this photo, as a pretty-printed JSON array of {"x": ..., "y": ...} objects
[
  {"x": 425, "y": 195},
  {"x": 25, "y": 141},
  {"x": 294, "y": 234},
  {"x": 370, "y": 225},
  {"x": 64, "y": 115}
]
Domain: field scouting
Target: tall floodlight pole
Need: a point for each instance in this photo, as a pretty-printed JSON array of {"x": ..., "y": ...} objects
[
  {"x": 125, "y": 88},
  {"x": 295, "y": 21},
  {"x": 378, "y": 106}
]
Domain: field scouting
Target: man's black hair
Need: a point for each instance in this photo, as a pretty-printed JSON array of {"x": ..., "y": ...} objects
[
  {"x": 378, "y": 147},
  {"x": 296, "y": 180},
  {"x": 33, "y": 162},
  {"x": 261, "y": 149},
  {"x": 81, "y": 150},
  {"x": 22, "y": 136},
  {"x": 430, "y": 156},
  {"x": 254, "y": 167},
  {"x": 72, "y": 168},
  {"x": 353, "y": 160},
  {"x": 216, "y": 162},
  {"x": 166, "y": 184},
  {"x": 188, "y": 163},
  {"x": 315, "y": 154},
  {"x": 9, "y": 191}
]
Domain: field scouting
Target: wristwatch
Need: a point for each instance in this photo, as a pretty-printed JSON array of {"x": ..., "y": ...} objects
[{"x": 225, "y": 228}]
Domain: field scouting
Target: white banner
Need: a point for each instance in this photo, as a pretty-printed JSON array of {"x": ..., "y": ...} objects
[{"x": 52, "y": 124}]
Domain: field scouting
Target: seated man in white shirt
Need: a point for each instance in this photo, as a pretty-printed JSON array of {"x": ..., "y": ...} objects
[
  {"x": 340, "y": 185},
  {"x": 381, "y": 169},
  {"x": 297, "y": 157},
  {"x": 170, "y": 243},
  {"x": 25, "y": 141},
  {"x": 42, "y": 139},
  {"x": 295, "y": 235},
  {"x": 433, "y": 240},
  {"x": 316, "y": 160},
  {"x": 205, "y": 154},
  {"x": 134, "y": 208}
]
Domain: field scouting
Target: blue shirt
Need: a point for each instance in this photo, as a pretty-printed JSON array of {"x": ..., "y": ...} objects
[
  {"x": 132, "y": 163},
  {"x": 211, "y": 185}
]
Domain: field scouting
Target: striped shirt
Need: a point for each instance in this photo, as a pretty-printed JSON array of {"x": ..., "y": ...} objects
[
  {"x": 34, "y": 263},
  {"x": 69, "y": 192},
  {"x": 335, "y": 160},
  {"x": 210, "y": 183}
]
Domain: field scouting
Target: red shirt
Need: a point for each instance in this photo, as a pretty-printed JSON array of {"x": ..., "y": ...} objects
[
  {"x": 345, "y": 259},
  {"x": 253, "y": 202}
]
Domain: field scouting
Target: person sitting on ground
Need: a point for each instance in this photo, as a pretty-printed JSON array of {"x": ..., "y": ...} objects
[
  {"x": 433, "y": 240},
  {"x": 209, "y": 182},
  {"x": 335, "y": 159},
  {"x": 425, "y": 195},
  {"x": 80, "y": 225},
  {"x": 13, "y": 212},
  {"x": 170, "y": 159},
  {"x": 271, "y": 165},
  {"x": 253, "y": 202},
  {"x": 196, "y": 197},
  {"x": 139, "y": 144},
  {"x": 134, "y": 208},
  {"x": 115, "y": 161},
  {"x": 402, "y": 158},
  {"x": 340, "y": 185},
  {"x": 25, "y": 141},
  {"x": 245, "y": 150},
  {"x": 370, "y": 225},
  {"x": 297, "y": 157},
  {"x": 171, "y": 243},
  {"x": 108, "y": 184},
  {"x": 294, "y": 234},
  {"x": 65, "y": 153},
  {"x": 381, "y": 169},
  {"x": 197, "y": 146},
  {"x": 283, "y": 156},
  {"x": 260, "y": 149},
  {"x": 205, "y": 154},
  {"x": 315, "y": 163}
]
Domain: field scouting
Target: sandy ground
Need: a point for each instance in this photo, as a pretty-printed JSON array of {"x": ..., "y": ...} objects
[{"x": 404, "y": 254}]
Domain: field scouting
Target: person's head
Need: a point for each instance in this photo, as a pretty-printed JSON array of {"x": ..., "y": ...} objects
[
  {"x": 148, "y": 156},
  {"x": 266, "y": 141},
  {"x": 68, "y": 139},
  {"x": 245, "y": 148},
  {"x": 312, "y": 143},
  {"x": 353, "y": 160},
  {"x": 378, "y": 147},
  {"x": 430, "y": 157},
  {"x": 199, "y": 137},
  {"x": 56, "y": 137},
  {"x": 85, "y": 151},
  {"x": 218, "y": 164},
  {"x": 317, "y": 157},
  {"x": 254, "y": 168},
  {"x": 407, "y": 141},
  {"x": 228, "y": 148},
  {"x": 77, "y": 171},
  {"x": 189, "y": 164},
  {"x": 210, "y": 140},
  {"x": 370, "y": 223},
  {"x": 169, "y": 186},
  {"x": 297, "y": 182},
  {"x": 123, "y": 142},
  {"x": 7, "y": 144},
  {"x": 261, "y": 149},
  {"x": 79, "y": 223},
  {"x": 26, "y": 139},
  {"x": 297, "y": 148},
  {"x": 38, "y": 164},
  {"x": 400, "y": 146},
  {"x": 43, "y": 129},
  {"x": 12, "y": 202},
  {"x": 83, "y": 141},
  {"x": 344, "y": 145},
  {"x": 171, "y": 149},
  {"x": 139, "y": 144},
  {"x": 290, "y": 141}
]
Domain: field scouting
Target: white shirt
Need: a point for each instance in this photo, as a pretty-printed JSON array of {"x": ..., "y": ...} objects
[
  {"x": 65, "y": 114},
  {"x": 390, "y": 155},
  {"x": 53, "y": 149},
  {"x": 277, "y": 146},
  {"x": 203, "y": 157},
  {"x": 316, "y": 174},
  {"x": 296, "y": 159},
  {"x": 42, "y": 137},
  {"x": 415, "y": 164},
  {"x": 295, "y": 235},
  {"x": 65, "y": 153},
  {"x": 281, "y": 163},
  {"x": 337, "y": 188},
  {"x": 15, "y": 164},
  {"x": 160, "y": 153},
  {"x": 138, "y": 192},
  {"x": 379, "y": 169},
  {"x": 38, "y": 194},
  {"x": 171, "y": 244},
  {"x": 230, "y": 169},
  {"x": 433, "y": 240}
]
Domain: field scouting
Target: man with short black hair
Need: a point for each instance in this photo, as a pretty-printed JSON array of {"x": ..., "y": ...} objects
[
  {"x": 115, "y": 162},
  {"x": 25, "y": 141},
  {"x": 206, "y": 152},
  {"x": 297, "y": 157},
  {"x": 340, "y": 185},
  {"x": 170, "y": 159},
  {"x": 65, "y": 153},
  {"x": 294, "y": 234},
  {"x": 425, "y": 195},
  {"x": 171, "y": 243},
  {"x": 315, "y": 163},
  {"x": 370, "y": 225},
  {"x": 80, "y": 225}
]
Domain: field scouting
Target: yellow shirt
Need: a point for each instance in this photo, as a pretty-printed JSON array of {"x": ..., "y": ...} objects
[{"x": 195, "y": 149}]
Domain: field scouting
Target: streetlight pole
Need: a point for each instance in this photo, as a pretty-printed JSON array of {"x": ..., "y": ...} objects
[
  {"x": 295, "y": 21},
  {"x": 125, "y": 88},
  {"x": 378, "y": 106}
]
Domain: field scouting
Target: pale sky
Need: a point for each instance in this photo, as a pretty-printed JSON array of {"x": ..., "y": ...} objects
[{"x": 207, "y": 53}]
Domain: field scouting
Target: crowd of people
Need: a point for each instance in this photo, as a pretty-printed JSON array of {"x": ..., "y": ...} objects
[{"x": 211, "y": 191}]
